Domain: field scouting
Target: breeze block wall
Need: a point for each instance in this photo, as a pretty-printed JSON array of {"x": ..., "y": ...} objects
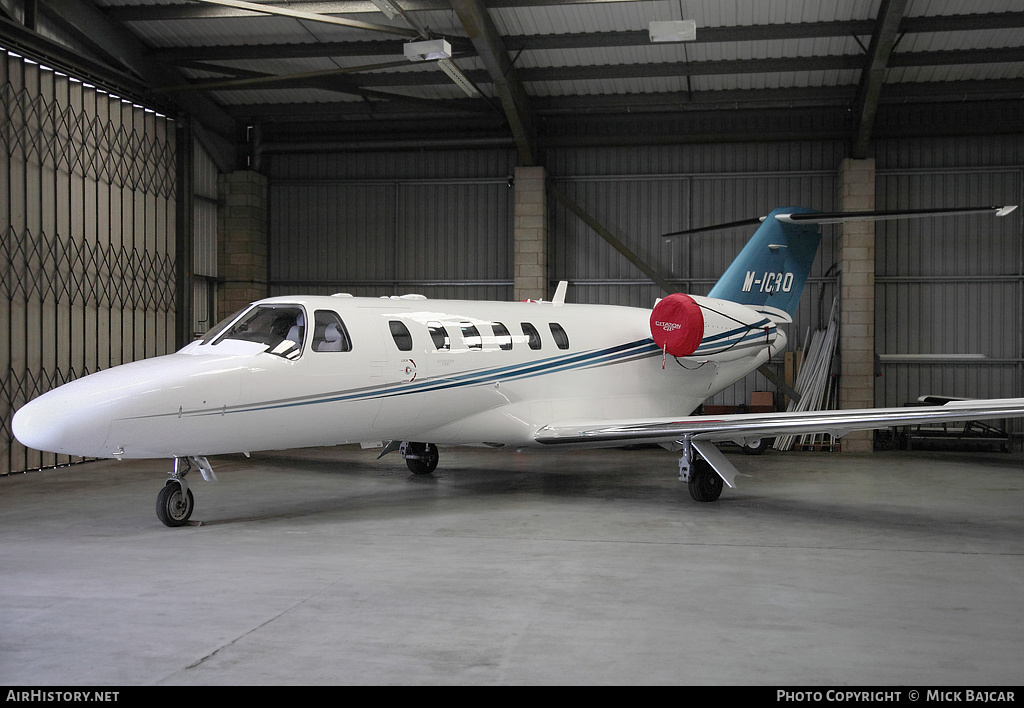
[
  {"x": 856, "y": 186},
  {"x": 242, "y": 240}
]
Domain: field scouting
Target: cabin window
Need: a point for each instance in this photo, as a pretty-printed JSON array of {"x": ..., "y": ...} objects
[
  {"x": 501, "y": 333},
  {"x": 329, "y": 333},
  {"x": 471, "y": 335},
  {"x": 532, "y": 335},
  {"x": 561, "y": 338},
  {"x": 439, "y": 335},
  {"x": 280, "y": 327},
  {"x": 400, "y": 333}
]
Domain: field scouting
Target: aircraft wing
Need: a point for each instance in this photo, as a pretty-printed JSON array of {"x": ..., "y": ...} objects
[{"x": 752, "y": 426}]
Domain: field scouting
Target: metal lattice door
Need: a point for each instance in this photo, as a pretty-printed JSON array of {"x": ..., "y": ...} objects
[{"x": 87, "y": 217}]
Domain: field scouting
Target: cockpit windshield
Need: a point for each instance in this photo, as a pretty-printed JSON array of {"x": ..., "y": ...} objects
[
  {"x": 215, "y": 331},
  {"x": 281, "y": 327}
]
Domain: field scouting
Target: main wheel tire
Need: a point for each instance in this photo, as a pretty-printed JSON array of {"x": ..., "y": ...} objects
[
  {"x": 757, "y": 447},
  {"x": 172, "y": 508},
  {"x": 423, "y": 458},
  {"x": 704, "y": 484}
]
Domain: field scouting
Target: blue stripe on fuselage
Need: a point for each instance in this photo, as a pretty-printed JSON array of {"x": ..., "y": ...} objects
[{"x": 612, "y": 355}]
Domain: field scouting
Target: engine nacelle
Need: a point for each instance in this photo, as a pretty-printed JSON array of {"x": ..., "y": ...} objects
[
  {"x": 677, "y": 324},
  {"x": 709, "y": 329}
]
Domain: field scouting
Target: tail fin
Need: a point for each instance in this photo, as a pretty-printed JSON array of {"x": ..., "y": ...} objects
[{"x": 770, "y": 272}]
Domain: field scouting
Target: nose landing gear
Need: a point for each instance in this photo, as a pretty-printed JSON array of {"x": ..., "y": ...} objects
[
  {"x": 174, "y": 504},
  {"x": 175, "y": 501}
]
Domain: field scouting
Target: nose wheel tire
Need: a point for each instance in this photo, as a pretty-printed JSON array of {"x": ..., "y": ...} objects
[{"x": 172, "y": 507}]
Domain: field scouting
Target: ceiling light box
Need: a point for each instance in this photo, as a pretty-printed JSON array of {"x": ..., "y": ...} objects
[
  {"x": 673, "y": 31},
  {"x": 430, "y": 49}
]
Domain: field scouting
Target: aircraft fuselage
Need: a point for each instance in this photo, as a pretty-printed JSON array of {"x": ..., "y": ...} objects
[{"x": 448, "y": 372}]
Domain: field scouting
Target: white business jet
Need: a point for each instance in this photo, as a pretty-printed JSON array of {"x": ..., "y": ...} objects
[{"x": 410, "y": 373}]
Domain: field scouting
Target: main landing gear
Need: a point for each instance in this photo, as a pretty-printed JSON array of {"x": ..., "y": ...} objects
[
  {"x": 420, "y": 458},
  {"x": 703, "y": 480},
  {"x": 175, "y": 502},
  {"x": 703, "y": 483},
  {"x": 756, "y": 447}
]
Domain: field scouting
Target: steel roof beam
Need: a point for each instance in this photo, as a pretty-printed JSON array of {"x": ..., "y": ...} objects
[
  {"x": 938, "y": 23},
  {"x": 283, "y": 11},
  {"x": 669, "y": 69},
  {"x": 124, "y": 52},
  {"x": 18, "y": 37},
  {"x": 514, "y": 101},
  {"x": 190, "y": 11},
  {"x": 630, "y": 106},
  {"x": 628, "y": 71},
  {"x": 924, "y": 92},
  {"x": 701, "y": 68},
  {"x": 872, "y": 77}
]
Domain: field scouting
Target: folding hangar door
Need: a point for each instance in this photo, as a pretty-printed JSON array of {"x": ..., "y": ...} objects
[{"x": 87, "y": 216}]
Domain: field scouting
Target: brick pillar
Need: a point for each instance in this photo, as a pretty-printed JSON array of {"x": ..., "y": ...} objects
[
  {"x": 530, "y": 262},
  {"x": 241, "y": 240},
  {"x": 857, "y": 296}
]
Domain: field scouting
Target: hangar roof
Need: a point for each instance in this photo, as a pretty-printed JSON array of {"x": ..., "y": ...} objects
[{"x": 322, "y": 74}]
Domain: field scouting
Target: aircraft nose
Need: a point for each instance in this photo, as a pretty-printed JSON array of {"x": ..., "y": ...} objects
[
  {"x": 54, "y": 423},
  {"x": 37, "y": 425}
]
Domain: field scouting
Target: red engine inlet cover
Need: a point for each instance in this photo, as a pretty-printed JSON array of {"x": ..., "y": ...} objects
[{"x": 677, "y": 325}]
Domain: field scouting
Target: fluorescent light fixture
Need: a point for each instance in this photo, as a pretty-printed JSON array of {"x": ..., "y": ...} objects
[
  {"x": 387, "y": 7},
  {"x": 673, "y": 31},
  {"x": 441, "y": 51},
  {"x": 427, "y": 50}
]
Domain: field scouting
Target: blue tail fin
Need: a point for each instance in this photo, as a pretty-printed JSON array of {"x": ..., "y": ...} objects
[{"x": 770, "y": 272}]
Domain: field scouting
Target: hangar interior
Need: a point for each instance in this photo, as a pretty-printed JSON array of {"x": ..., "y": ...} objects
[{"x": 164, "y": 162}]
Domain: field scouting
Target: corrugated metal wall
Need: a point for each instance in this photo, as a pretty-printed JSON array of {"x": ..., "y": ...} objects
[
  {"x": 438, "y": 224},
  {"x": 950, "y": 292},
  {"x": 87, "y": 216}
]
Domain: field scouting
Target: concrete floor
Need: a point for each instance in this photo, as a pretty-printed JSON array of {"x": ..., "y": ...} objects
[{"x": 328, "y": 566}]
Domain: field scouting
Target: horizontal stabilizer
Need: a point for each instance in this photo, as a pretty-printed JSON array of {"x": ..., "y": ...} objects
[
  {"x": 836, "y": 217},
  {"x": 715, "y": 227}
]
